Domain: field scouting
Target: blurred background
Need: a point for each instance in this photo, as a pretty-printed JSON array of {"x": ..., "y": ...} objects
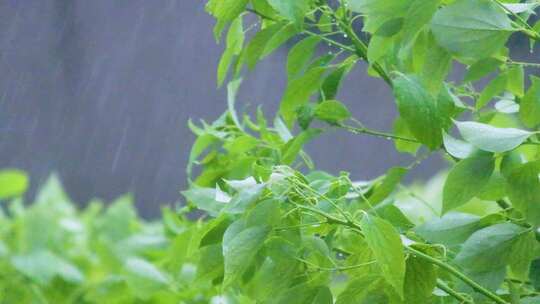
[{"x": 101, "y": 91}]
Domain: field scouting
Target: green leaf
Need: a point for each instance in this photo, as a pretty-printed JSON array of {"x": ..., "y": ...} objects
[
  {"x": 418, "y": 15},
  {"x": 378, "y": 47},
  {"x": 358, "y": 290},
  {"x": 332, "y": 111},
  {"x": 235, "y": 42},
  {"x": 300, "y": 55},
  {"x": 420, "y": 280},
  {"x": 436, "y": 66},
  {"x": 43, "y": 266},
  {"x": 378, "y": 12},
  {"x": 529, "y": 110},
  {"x": 239, "y": 249},
  {"x": 456, "y": 147},
  {"x": 391, "y": 180},
  {"x": 466, "y": 180},
  {"x": 204, "y": 199},
  {"x": 390, "y": 27},
  {"x": 143, "y": 278},
  {"x": 291, "y": 10},
  {"x": 298, "y": 92},
  {"x": 471, "y": 29},
  {"x": 450, "y": 230},
  {"x": 523, "y": 188},
  {"x": 385, "y": 242},
  {"x": 494, "y": 88},
  {"x": 294, "y": 146},
  {"x": 523, "y": 252},
  {"x": 258, "y": 43},
  {"x": 515, "y": 84},
  {"x": 12, "y": 183},
  {"x": 419, "y": 110},
  {"x": 481, "y": 68},
  {"x": 332, "y": 82},
  {"x": 489, "y": 248},
  {"x": 282, "y": 36},
  {"x": 401, "y": 129},
  {"x": 492, "y": 139},
  {"x": 228, "y": 10}
]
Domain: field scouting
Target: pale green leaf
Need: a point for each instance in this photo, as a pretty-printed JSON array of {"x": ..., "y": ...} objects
[{"x": 492, "y": 139}]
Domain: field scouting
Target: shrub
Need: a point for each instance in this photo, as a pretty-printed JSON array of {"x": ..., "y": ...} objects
[{"x": 275, "y": 229}]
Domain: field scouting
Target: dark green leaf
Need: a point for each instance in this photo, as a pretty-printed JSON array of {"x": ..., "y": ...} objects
[
  {"x": 489, "y": 248},
  {"x": 473, "y": 29},
  {"x": 419, "y": 110}
]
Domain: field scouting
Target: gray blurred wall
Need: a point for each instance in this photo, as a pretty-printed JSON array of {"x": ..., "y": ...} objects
[{"x": 100, "y": 91}]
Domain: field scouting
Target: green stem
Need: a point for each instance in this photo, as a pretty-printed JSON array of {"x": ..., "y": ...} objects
[
  {"x": 528, "y": 30},
  {"x": 361, "y": 50},
  {"x": 376, "y": 133},
  {"x": 457, "y": 274},
  {"x": 462, "y": 299}
]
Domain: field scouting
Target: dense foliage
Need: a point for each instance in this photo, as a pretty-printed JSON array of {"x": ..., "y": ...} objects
[{"x": 275, "y": 229}]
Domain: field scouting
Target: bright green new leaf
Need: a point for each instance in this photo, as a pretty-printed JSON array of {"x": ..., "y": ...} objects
[
  {"x": 228, "y": 10},
  {"x": 292, "y": 10},
  {"x": 466, "y": 180},
  {"x": 529, "y": 110},
  {"x": 385, "y": 242},
  {"x": 471, "y": 29},
  {"x": 300, "y": 55},
  {"x": 419, "y": 110},
  {"x": 239, "y": 249},
  {"x": 12, "y": 183},
  {"x": 332, "y": 111},
  {"x": 489, "y": 248},
  {"x": 491, "y": 139}
]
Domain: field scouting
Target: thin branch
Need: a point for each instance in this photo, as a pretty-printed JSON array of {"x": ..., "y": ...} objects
[
  {"x": 457, "y": 274},
  {"x": 462, "y": 299}
]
